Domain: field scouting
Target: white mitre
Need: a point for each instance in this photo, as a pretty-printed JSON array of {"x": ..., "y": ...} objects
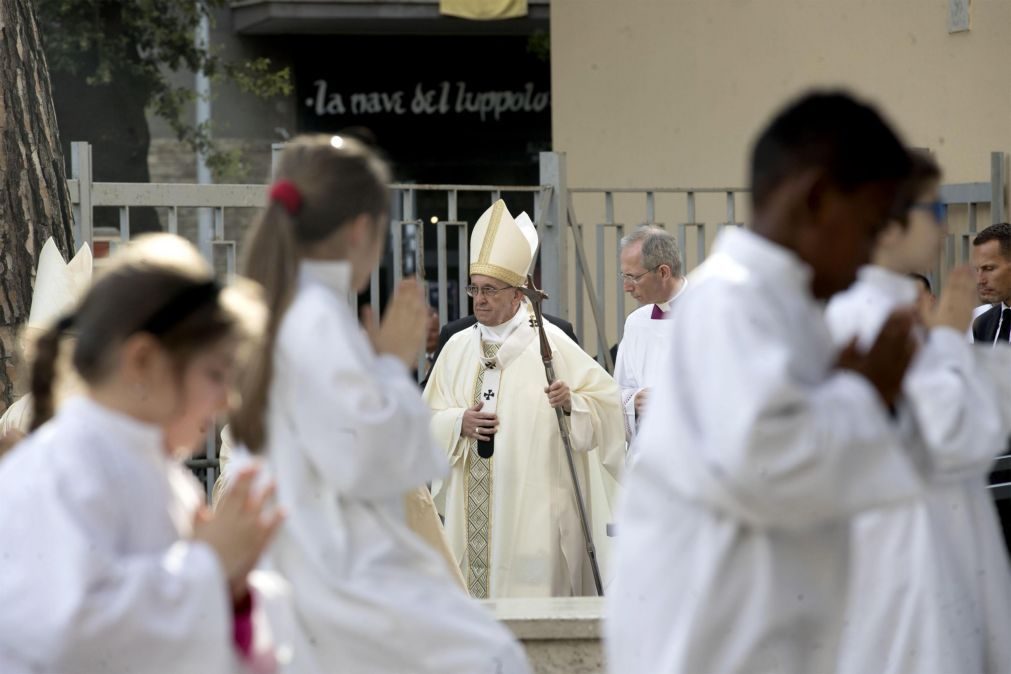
[
  {"x": 58, "y": 288},
  {"x": 58, "y": 285},
  {"x": 502, "y": 247}
]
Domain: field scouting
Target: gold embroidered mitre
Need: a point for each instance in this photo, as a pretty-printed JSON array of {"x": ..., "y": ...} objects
[{"x": 502, "y": 247}]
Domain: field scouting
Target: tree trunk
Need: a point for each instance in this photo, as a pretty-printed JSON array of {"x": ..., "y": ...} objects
[{"x": 34, "y": 199}]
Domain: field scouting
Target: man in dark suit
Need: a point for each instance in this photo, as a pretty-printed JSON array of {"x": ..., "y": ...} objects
[
  {"x": 450, "y": 329},
  {"x": 991, "y": 257}
]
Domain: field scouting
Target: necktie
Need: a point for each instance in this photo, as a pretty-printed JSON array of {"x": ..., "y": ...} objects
[
  {"x": 658, "y": 313},
  {"x": 1004, "y": 335}
]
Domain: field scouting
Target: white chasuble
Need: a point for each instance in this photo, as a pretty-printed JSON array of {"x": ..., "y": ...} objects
[{"x": 527, "y": 541}]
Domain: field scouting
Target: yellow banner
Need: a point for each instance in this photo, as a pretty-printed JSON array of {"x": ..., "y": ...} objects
[{"x": 483, "y": 10}]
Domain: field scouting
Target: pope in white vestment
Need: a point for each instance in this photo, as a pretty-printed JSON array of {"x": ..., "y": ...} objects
[
  {"x": 512, "y": 519},
  {"x": 930, "y": 588},
  {"x": 732, "y": 542}
]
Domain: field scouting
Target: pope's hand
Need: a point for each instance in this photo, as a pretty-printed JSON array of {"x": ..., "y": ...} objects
[
  {"x": 559, "y": 395},
  {"x": 478, "y": 425}
]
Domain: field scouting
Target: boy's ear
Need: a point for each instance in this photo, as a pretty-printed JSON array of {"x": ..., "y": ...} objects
[{"x": 815, "y": 190}]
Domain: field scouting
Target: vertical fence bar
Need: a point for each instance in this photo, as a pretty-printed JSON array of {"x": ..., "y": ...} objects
[
  {"x": 601, "y": 288},
  {"x": 422, "y": 276},
  {"x": 84, "y": 233},
  {"x": 554, "y": 244},
  {"x": 463, "y": 272},
  {"x": 700, "y": 243},
  {"x": 495, "y": 195},
  {"x": 275, "y": 158},
  {"x": 219, "y": 223},
  {"x": 124, "y": 224},
  {"x": 580, "y": 290},
  {"x": 998, "y": 186},
  {"x": 683, "y": 226},
  {"x": 601, "y": 264},
  {"x": 650, "y": 208},
  {"x": 619, "y": 295},
  {"x": 973, "y": 223},
  {"x": 463, "y": 260},
  {"x": 442, "y": 275},
  {"x": 731, "y": 209},
  {"x": 173, "y": 219},
  {"x": 231, "y": 263}
]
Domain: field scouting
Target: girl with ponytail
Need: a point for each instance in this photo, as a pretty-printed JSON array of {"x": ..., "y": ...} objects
[
  {"x": 108, "y": 561},
  {"x": 346, "y": 433}
]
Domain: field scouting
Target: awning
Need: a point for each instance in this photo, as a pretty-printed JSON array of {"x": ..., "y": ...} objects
[{"x": 379, "y": 17}]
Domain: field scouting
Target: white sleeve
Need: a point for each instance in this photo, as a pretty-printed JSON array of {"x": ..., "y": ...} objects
[
  {"x": 955, "y": 405},
  {"x": 73, "y": 603},
  {"x": 782, "y": 449},
  {"x": 361, "y": 420},
  {"x": 629, "y": 388}
]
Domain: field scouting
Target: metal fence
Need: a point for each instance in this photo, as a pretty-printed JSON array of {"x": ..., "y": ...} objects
[{"x": 446, "y": 212}]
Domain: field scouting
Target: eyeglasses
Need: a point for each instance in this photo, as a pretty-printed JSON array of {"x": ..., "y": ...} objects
[
  {"x": 487, "y": 291},
  {"x": 634, "y": 280},
  {"x": 935, "y": 208}
]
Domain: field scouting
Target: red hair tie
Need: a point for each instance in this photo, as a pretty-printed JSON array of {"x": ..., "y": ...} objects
[{"x": 289, "y": 196}]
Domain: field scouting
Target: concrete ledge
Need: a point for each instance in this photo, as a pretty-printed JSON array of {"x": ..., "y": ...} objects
[{"x": 561, "y": 635}]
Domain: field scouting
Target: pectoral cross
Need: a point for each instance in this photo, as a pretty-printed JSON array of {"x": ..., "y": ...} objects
[
  {"x": 489, "y": 394},
  {"x": 533, "y": 322},
  {"x": 489, "y": 365}
]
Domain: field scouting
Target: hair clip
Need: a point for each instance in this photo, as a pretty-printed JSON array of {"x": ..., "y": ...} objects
[{"x": 287, "y": 193}]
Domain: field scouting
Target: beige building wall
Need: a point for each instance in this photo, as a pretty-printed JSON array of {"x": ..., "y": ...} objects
[{"x": 671, "y": 92}]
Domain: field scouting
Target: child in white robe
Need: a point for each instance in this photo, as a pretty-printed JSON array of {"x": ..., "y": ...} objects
[
  {"x": 108, "y": 562},
  {"x": 762, "y": 439},
  {"x": 346, "y": 433},
  {"x": 930, "y": 588}
]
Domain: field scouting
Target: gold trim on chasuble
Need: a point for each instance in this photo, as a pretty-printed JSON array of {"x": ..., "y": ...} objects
[{"x": 479, "y": 502}]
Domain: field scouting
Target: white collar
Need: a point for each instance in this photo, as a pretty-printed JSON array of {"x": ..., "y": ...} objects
[
  {"x": 764, "y": 258},
  {"x": 496, "y": 334},
  {"x": 335, "y": 275},
  {"x": 90, "y": 414},
  {"x": 897, "y": 286},
  {"x": 665, "y": 306}
]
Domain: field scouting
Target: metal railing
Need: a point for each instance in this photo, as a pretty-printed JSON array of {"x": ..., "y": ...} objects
[
  {"x": 689, "y": 223},
  {"x": 421, "y": 211}
]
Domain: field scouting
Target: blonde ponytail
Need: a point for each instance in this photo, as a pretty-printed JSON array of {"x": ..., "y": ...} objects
[
  {"x": 321, "y": 186},
  {"x": 271, "y": 259}
]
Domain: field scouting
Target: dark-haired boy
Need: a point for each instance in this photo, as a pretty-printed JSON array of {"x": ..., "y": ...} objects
[{"x": 764, "y": 440}]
